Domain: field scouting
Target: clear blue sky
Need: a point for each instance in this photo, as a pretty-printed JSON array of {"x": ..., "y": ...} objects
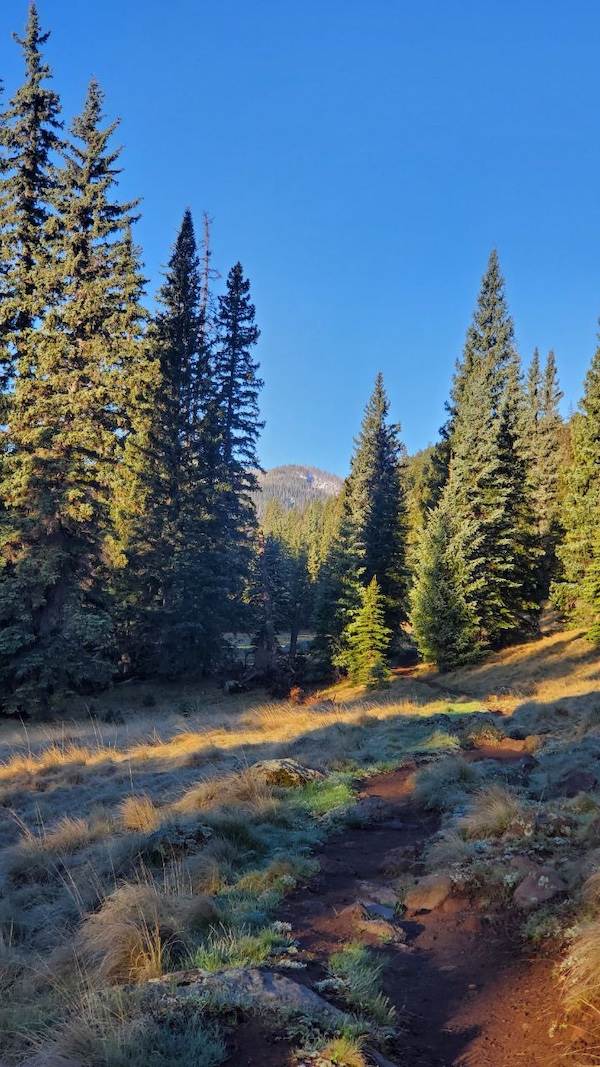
[{"x": 361, "y": 158}]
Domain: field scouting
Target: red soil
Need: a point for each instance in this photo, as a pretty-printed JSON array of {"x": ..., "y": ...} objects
[{"x": 466, "y": 991}]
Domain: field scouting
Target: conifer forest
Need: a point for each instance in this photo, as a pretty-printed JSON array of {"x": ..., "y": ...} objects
[{"x": 130, "y": 543}]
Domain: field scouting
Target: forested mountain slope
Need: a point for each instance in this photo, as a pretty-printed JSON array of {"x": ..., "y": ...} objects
[{"x": 295, "y": 486}]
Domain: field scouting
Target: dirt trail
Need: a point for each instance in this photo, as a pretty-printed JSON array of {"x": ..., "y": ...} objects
[{"x": 466, "y": 993}]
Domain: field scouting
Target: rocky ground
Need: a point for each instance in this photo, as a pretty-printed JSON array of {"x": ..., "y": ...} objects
[{"x": 466, "y": 991}]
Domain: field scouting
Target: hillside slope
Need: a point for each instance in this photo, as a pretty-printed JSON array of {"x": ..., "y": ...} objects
[{"x": 295, "y": 486}]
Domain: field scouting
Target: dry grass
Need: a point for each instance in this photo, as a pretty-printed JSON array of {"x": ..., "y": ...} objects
[
  {"x": 136, "y": 935},
  {"x": 344, "y": 1052},
  {"x": 139, "y": 814},
  {"x": 449, "y": 849},
  {"x": 580, "y": 970},
  {"x": 87, "y": 794},
  {"x": 445, "y": 785},
  {"x": 490, "y": 813}
]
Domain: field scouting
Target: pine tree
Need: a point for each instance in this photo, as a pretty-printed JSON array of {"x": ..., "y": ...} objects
[
  {"x": 236, "y": 411},
  {"x": 68, "y": 417},
  {"x": 374, "y": 525},
  {"x": 443, "y": 625},
  {"x": 543, "y": 436},
  {"x": 490, "y": 343},
  {"x": 367, "y": 640},
  {"x": 486, "y": 492},
  {"x": 170, "y": 591},
  {"x": 578, "y": 590},
  {"x": 29, "y": 139}
]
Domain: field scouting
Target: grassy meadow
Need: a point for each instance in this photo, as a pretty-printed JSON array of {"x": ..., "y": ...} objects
[{"x": 142, "y": 835}]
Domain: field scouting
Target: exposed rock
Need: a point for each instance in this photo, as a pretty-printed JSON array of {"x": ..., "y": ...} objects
[
  {"x": 378, "y": 1059},
  {"x": 529, "y": 763},
  {"x": 555, "y": 823},
  {"x": 378, "y": 911},
  {"x": 233, "y": 686},
  {"x": 429, "y": 892},
  {"x": 362, "y": 919},
  {"x": 285, "y": 772},
  {"x": 522, "y": 827},
  {"x": 537, "y": 887},
  {"x": 175, "y": 839},
  {"x": 249, "y": 987}
]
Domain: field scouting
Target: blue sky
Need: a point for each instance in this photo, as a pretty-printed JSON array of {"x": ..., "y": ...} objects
[{"x": 361, "y": 158}]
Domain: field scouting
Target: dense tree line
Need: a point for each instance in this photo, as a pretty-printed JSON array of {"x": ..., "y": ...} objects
[
  {"x": 129, "y": 467},
  {"x": 129, "y": 439}
]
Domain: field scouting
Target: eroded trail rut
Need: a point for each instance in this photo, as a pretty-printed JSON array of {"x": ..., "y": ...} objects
[{"x": 466, "y": 993}]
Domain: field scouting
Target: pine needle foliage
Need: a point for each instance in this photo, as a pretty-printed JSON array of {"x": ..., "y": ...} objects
[
  {"x": 366, "y": 641},
  {"x": 544, "y": 441},
  {"x": 486, "y": 494},
  {"x": 443, "y": 625},
  {"x": 578, "y": 591},
  {"x": 68, "y": 417}
]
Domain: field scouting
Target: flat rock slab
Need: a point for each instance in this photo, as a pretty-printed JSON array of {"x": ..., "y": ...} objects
[
  {"x": 537, "y": 887},
  {"x": 429, "y": 893},
  {"x": 378, "y": 911},
  {"x": 245, "y": 987}
]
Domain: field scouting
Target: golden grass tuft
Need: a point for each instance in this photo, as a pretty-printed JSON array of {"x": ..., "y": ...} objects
[
  {"x": 245, "y": 789},
  {"x": 132, "y": 938},
  {"x": 139, "y": 814},
  {"x": 490, "y": 813},
  {"x": 344, "y": 1052},
  {"x": 580, "y": 971}
]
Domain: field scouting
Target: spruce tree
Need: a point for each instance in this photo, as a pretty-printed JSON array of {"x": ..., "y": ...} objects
[
  {"x": 235, "y": 418},
  {"x": 367, "y": 640},
  {"x": 29, "y": 140},
  {"x": 68, "y": 417},
  {"x": 170, "y": 592},
  {"x": 374, "y": 524},
  {"x": 443, "y": 625},
  {"x": 577, "y": 591},
  {"x": 486, "y": 493},
  {"x": 543, "y": 436}
]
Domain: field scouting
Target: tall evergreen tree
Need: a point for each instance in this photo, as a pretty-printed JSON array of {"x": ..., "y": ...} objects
[
  {"x": 374, "y": 526},
  {"x": 486, "y": 492},
  {"x": 29, "y": 139},
  {"x": 372, "y": 539},
  {"x": 236, "y": 411},
  {"x": 171, "y": 617},
  {"x": 68, "y": 417},
  {"x": 543, "y": 436},
  {"x": 578, "y": 589}
]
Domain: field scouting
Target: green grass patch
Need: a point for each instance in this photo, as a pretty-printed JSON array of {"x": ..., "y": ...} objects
[
  {"x": 334, "y": 794},
  {"x": 357, "y": 974},
  {"x": 227, "y": 947}
]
